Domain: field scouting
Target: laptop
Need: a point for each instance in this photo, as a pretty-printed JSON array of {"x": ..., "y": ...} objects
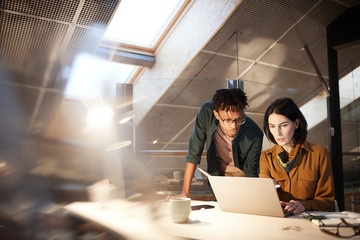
[{"x": 247, "y": 195}]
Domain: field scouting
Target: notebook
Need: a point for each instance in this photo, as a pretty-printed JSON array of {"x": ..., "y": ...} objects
[
  {"x": 332, "y": 219},
  {"x": 246, "y": 195}
]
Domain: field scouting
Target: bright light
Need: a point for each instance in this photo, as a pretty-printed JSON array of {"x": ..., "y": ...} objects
[
  {"x": 155, "y": 141},
  {"x": 99, "y": 116},
  {"x": 140, "y": 21},
  {"x": 126, "y": 117},
  {"x": 94, "y": 78},
  {"x": 125, "y": 120}
]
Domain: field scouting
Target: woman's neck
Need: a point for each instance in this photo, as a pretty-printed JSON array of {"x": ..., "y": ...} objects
[{"x": 287, "y": 149}]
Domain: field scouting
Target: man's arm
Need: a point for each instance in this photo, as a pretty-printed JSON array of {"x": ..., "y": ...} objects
[
  {"x": 251, "y": 165},
  {"x": 196, "y": 145},
  {"x": 188, "y": 175}
]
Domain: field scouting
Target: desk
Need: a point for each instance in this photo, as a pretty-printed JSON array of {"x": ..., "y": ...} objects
[{"x": 152, "y": 221}]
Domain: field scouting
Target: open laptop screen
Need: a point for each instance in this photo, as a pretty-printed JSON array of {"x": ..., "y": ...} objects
[{"x": 246, "y": 195}]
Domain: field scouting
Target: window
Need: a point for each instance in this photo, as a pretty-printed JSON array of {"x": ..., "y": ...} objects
[
  {"x": 142, "y": 23},
  {"x": 137, "y": 27}
]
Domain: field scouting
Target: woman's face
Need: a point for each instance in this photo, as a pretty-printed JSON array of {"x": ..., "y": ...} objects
[{"x": 283, "y": 130}]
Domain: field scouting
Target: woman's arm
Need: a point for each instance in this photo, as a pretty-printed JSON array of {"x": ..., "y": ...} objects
[{"x": 324, "y": 193}]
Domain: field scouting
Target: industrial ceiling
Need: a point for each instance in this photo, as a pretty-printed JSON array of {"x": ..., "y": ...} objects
[{"x": 260, "y": 42}]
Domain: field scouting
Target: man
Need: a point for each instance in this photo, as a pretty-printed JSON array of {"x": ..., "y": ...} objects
[{"x": 233, "y": 140}]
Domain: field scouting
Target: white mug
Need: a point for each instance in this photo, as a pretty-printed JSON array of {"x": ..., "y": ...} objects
[
  {"x": 180, "y": 208},
  {"x": 176, "y": 175}
]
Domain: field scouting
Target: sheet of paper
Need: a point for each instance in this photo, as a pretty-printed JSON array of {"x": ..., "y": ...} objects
[{"x": 332, "y": 219}]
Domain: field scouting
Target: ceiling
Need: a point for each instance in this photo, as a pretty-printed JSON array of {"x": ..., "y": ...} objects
[{"x": 260, "y": 42}]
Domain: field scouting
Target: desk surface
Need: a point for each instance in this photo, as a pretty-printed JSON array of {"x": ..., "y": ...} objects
[{"x": 152, "y": 221}]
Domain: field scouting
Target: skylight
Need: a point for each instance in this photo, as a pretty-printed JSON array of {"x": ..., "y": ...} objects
[
  {"x": 142, "y": 22},
  {"x": 136, "y": 23}
]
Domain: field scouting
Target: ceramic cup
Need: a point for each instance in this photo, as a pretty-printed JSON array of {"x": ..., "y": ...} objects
[
  {"x": 177, "y": 175},
  {"x": 180, "y": 209}
]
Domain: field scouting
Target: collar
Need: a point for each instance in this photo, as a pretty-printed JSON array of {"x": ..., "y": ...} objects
[{"x": 304, "y": 147}]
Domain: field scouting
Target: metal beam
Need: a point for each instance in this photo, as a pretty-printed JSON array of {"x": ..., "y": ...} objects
[
  {"x": 127, "y": 57},
  {"x": 317, "y": 70},
  {"x": 335, "y": 128}
]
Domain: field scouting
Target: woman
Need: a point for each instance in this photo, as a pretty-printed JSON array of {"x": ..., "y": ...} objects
[{"x": 302, "y": 169}]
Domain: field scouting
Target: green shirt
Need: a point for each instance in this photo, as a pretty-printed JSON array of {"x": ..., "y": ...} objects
[{"x": 246, "y": 145}]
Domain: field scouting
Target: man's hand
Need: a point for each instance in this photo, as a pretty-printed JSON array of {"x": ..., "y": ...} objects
[{"x": 293, "y": 207}]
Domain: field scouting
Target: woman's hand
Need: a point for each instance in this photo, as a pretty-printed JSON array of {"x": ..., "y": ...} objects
[{"x": 293, "y": 207}]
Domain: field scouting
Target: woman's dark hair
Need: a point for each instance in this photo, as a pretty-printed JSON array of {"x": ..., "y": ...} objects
[
  {"x": 233, "y": 99},
  {"x": 287, "y": 108}
]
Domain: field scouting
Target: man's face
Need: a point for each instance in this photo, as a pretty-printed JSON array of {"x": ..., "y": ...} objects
[{"x": 228, "y": 121}]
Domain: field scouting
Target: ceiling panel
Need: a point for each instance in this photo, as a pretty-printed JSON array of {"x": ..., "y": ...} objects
[
  {"x": 162, "y": 122},
  {"x": 205, "y": 69},
  {"x": 96, "y": 13},
  {"x": 325, "y": 12},
  {"x": 199, "y": 90},
  {"x": 223, "y": 67},
  {"x": 348, "y": 3},
  {"x": 256, "y": 26},
  {"x": 289, "y": 52},
  {"x": 283, "y": 78},
  {"x": 310, "y": 31},
  {"x": 209, "y": 78},
  {"x": 82, "y": 40},
  {"x": 197, "y": 64},
  {"x": 27, "y": 44},
  {"x": 55, "y": 10},
  {"x": 190, "y": 72},
  {"x": 260, "y": 95},
  {"x": 171, "y": 94}
]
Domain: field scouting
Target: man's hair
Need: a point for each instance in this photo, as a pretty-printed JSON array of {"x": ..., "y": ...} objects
[
  {"x": 233, "y": 99},
  {"x": 287, "y": 108}
]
